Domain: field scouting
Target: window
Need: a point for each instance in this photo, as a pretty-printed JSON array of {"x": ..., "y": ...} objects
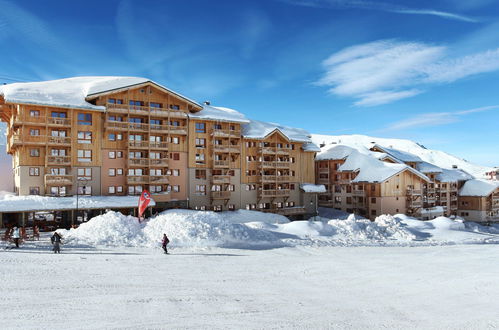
[
  {"x": 34, "y": 152},
  {"x": 119, "y": 171},
  {"x": 176, "y": 172},
  {"x": 155, "y": 189},
  {"x": 111, "y": 137},
  {"x": 34, "y": 113},
  {"x": 176, "y": 188},
  {"x": 84, "y": 119},
  {"x": 57, "y": 133},
  {"x": 111, "y": 190},
  {"x": 231, "y": 187},
  {"x": 200, "y": 128},
  {"x": 175, "y": 140},
  {"x": 56, "y": 114},
  {"x": 85, "y": 173},
  {"x": 115, "y": 101},
  {"x": 84, "y": 156},
  {"x": 112, "y": 172},
  {"x": 200, "y": 174},
  {"x": 34, "y": 171},
  {"x": 58, "y": 152},
  {"x": 200, "y": 143},
  {"x": 373, "y": 212},
  {"x": 34, "y": 190},
  {"x": 119, "y": 154},
  {"x": 112, "y": 154},
  {"x": 34, "y": 132},
  {"x": 292, "y": 186},
  {"x": 201, "y": 189},
  {"x": 155, "y": 172},
  {"x": 174, "y": 107},
  {"x": 84, "y": 190},
  {"x": 200, "y": 158},
  {"x": 155, "y": 105},
  {"x": 58, "y": 191},
  {"x": 119, "y": 189},
  {"x": 84, "y": 137}
]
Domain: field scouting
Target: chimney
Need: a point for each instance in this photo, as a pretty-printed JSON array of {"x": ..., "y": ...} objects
[
  {"x": 207, "y": 102},
  {"x": 454, "y": 166},
  {"x": 322, "y": 145}
]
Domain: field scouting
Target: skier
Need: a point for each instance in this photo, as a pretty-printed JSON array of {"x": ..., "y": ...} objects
[
  {"x": 56, "y": 241},
  {"x": 165, "y": 243},
  {"x": 16, "y": 236}
]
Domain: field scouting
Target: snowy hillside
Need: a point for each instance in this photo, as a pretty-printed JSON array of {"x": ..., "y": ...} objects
[{"x": 436, "y": 157}]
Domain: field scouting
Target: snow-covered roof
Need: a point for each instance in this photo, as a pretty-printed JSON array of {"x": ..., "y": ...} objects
[
  {"x": 399, "y": 154},
  {"x": 13, "y": 203},
  {"x": 219, "y": 114},
  {"x": 373, "y": 170},
  {"x": 426, "y": 167},
  {"x": 310, "y": 147},
  {"x": 313, "y": 188},
  {"x": 259, "y": 130},
  {"x": 383, "y": 156},
  {"x": 71, "y": 92},
  {"x": 453, "y": 176},
  {"x": 478, "y": 187},
  {"x": 335, "y": 152}
]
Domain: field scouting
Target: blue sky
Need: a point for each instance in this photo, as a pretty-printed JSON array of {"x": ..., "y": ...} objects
[{"x": 426, "y": 70}]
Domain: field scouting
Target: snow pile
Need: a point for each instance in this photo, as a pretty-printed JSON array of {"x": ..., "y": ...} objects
[{"x": 110, "y": 229}]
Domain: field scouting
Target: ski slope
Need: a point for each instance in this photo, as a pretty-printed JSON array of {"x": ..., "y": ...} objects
[{"x": 436, "y": 157}]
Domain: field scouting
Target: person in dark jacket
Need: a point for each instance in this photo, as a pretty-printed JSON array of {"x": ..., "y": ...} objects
[
  {"x": 165, "y": 243},
  {"x": 16, "y": 236},
  {"x": 56, "y": 242}
]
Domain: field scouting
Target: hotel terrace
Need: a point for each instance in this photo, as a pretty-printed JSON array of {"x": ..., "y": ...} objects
[{"x": 116, "y": 136}]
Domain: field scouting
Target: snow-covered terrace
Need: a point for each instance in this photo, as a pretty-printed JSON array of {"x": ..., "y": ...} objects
[{"x": 13, "y": 203}]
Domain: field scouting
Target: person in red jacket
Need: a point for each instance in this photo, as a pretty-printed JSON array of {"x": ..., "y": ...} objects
[{"x": 165, "y": 243}]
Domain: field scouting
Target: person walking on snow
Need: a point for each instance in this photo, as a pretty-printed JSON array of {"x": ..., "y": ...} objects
[
  {"x": 165, "y": 243},
  {"x": 16, "y": 236},
  {"x": 56, "y": 241}
]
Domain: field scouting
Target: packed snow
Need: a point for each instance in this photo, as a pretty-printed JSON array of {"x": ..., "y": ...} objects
[
  {"x": 435, "y": 157},
  {"x": 252, "y": 270}
]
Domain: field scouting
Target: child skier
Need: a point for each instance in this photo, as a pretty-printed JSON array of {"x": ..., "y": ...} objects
[{"x": 165, "y": 243}]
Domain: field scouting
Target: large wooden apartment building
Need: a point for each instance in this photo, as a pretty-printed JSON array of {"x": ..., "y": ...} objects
[{"x": 120, "y": 135}]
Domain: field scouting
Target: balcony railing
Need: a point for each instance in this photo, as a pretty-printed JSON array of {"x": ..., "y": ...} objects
[
  {"x": 53, "y": 121},
  {"x": 161, "y": 162},
  {"x": 145, "y": 110},
  {"x": 220, "y": 179},
  {"x": 158, "y": 145},
  {"x": 59, "y": 140},
  {"x": 58, "y": 180},
  {"x": 226, "y": 133},
  {"x": 412, "y": 203},
  {"x": 359, "y": 192},
  {"x": 323, "y": 170},
  {"x": 411, "y": 191},
  {"x": 274, "y": 164},
  {"x": 158, "y": 179},
  {"x": 138, "y": 161},
  {"x": 221, "y": 163},
  {"x": 58, "y": 160},
  {"x": 274, "y": 193},
  {"x": 137, "y": 179},
  {"x": 220, "y": 194}
]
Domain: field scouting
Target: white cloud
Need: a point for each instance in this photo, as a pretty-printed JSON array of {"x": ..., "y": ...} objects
[
  {"x": 385, "y": 71},
  {"x": 379, "y": 6},
  {"x": 436, "y": 118}
]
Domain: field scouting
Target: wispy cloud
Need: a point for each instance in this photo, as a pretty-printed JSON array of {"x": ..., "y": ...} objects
[
  {"x": 436, "y": 118},
  {"x": 379, "y": 6},
  {"x": 385, "y": 71}
]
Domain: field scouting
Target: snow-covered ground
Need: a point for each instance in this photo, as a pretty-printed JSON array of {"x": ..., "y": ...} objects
[{"x": 250, "y": 270}]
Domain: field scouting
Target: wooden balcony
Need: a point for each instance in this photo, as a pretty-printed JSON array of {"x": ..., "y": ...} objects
[
  {"x": 226, "y": 148},
  {"x": 359, "y": 192},
  {"x": 158, "y": 145},
  {"x": 286, "y": 211},
  {"x": 138, "y": 162},
  {"x": 58, "y": 122},
  {"x": 138, "y": 127},
  {"x": 145, "y": 110},
  {"x": 412, "y": 192},
  {"x": 453, "y": 198},
  {"x": 274, "y": 164},
  {"x": 220, "y": 194},
  {"x": 58, "y": 140},
  {"x": 162, "y": 162},
  {"x": 220, "y": 179},
  {"x": 116, "y": 125},
  {"x": 17, "y": 139},
  {"x": 179, "y": 130},
  {"x": 138, "y": 144},
  {"x": 58, "y": 180},
  {"x": 323, "y": 180},
  {"x": 414, "y": 203},
  {"x": 137, "y": 179},
  {"x": 58, "y": 160},
  {"x": 158, "y": 179},
  {"x": 430, "y": 190},
  {"x": 226, "y": 133},
  {"x": 323, "y": 170},
  {"x": 30, "y": 120},
  {"x": 274, "y": 193},
  {"x": 221, "y": 164}
]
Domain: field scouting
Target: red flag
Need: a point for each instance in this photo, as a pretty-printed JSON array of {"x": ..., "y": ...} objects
[{"x": 144, "y": 200}]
